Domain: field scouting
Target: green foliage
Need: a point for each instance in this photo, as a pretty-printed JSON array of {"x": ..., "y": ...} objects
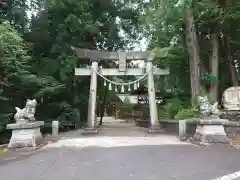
[
  {"x": 162, "y": 113},
  {"x": 161, "y": 52},
  {"x": 163, "y": 22},
  {"x": 126, "y": 106},
  {"x": 187, "y": 113},
  {"x": 36, "y": 59},
  {"x": 209, "y": 79},
  {"x": 11, "y": 44},
  {"x": 173, "y": 107}
]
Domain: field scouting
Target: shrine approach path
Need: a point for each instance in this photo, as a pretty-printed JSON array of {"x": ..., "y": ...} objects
[{"x": 124, "y": 151}]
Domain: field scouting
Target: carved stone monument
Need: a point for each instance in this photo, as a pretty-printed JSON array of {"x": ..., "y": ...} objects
[
  {"x": 231, "y": 104},
  {"x": 26, "y": 131},
  {"x": 210, "y": 128}
]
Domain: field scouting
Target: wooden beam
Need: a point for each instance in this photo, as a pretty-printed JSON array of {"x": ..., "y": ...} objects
[
  {"x": 101, "y": 55},
  {"x": 116, "y": 72}
]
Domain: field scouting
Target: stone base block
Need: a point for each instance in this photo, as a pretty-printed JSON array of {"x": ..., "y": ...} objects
[
  {"x": 25, "y": 135},
  {"x": 211, "y": 134},
  {"x": 231, "y": 115},
  {"x": 155, "y": 129},
  {"x": 90, "y": 131}
]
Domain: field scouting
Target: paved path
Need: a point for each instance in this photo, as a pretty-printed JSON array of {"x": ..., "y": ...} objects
[{"x": 130, "y": 155}]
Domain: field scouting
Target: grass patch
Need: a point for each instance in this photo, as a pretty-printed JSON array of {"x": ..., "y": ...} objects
[{"x": 4, "y": 152}]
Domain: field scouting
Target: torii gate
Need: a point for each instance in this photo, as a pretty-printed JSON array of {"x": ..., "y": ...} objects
[{"x": 95, "y": 56}]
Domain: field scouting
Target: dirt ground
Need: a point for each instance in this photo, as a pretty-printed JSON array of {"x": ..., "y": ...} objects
[
  {"x": 7, "y": 155},
  {"x": 236, "y": 141}
]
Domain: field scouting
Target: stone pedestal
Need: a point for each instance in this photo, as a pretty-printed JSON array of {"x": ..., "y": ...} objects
[
  {"x": 231, "y": 115},
  {"x": 211, "y": 131},
  {"x": 25, "y": 134}
]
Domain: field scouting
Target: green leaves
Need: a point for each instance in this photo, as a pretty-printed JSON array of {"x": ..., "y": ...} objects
[
  {"x": 161, "y": 52},
  {"x": 187, "y": 113},
  {"x": 51, "y": 90},
  {"x": 209, "y": 79},
  {"x": 11, "y": 44}
]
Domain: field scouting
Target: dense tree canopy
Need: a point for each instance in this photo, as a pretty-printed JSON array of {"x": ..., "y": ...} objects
[
  {"x": 36, "y": 55},
  {"x": 195, "y": 39},
  {"x": 205, "y": 38}
]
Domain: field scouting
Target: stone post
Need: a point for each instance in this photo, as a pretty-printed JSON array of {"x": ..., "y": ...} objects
[
  {"x": 182, "y": 129},
  {"x": 116, "y": 114},
  {"x": 154, "y": 125},
  {"x": 55, "y": 128},
  {"x": 92, "y": 99},
  {"x": 105, "y": 112}
]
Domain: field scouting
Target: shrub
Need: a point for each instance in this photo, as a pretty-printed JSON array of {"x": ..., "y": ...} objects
[
  {"x": 187, "y": 113},
  {"x": 127, "y": 106},
  {"x": 162, "y": 113},
  {"x": 173, "y": 107}
]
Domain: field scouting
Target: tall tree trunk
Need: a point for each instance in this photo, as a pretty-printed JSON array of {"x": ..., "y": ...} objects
[
  {"x": 193, "y": 51},
  {"x": 74, "y": 99},
  {"x": 226, "y": 4},
  {"x": 231, "y": 62},
  {"x": 214, "y": 64}
]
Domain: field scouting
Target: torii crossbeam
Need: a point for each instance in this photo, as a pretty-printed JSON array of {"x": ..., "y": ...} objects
[{"x": 95, "y": 56}]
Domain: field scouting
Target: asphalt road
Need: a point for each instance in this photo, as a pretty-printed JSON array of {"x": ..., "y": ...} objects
[{"x": 145, "y": 162}]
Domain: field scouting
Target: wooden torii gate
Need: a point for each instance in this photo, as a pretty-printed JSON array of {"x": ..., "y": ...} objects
[{"x": 96, "y": 56}]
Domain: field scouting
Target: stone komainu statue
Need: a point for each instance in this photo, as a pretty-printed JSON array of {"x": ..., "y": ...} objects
[
  {"x": 27, "y": 113},
  {"x": 206, "y": 108}
]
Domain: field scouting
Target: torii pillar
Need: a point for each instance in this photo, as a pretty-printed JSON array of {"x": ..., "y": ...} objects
[
  {"x": 154, "y": 124},
  {"x": 91, "y": 121}
]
